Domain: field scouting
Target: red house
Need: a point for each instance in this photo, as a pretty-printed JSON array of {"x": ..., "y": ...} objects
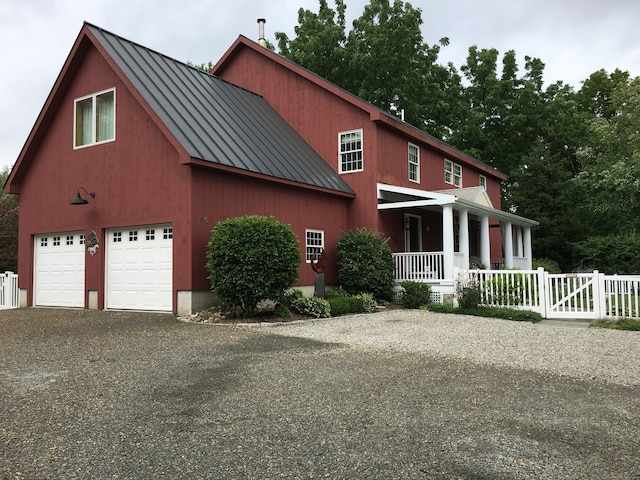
[{"x": 135, "y": 157}]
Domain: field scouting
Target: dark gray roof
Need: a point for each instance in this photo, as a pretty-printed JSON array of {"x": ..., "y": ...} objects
[{"x": 217, "y": 121}]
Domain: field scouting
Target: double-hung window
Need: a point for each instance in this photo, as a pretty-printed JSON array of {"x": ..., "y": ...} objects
[
  {"x": 314, "y": 244},
  {"x": 350, "y": 151},
  {"x": 95, "y": 119},
  {"x": 483, "y": 181},
  {"x": 414, "y": 163},
  {"x": 452, "y": 173}
]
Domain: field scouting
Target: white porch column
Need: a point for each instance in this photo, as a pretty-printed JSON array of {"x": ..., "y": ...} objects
[
  {"x": 508, "y": 245},
  {"x": 464, "y": 237},
  {"x": 447, "y": 240},
  {"x": 485, "y": 243},
  {"x": 519, "y": 246},
  {"x": 527, "y": 247}
]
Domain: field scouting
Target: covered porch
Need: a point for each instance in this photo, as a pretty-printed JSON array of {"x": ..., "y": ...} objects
[{"x": 447, "y": 229}]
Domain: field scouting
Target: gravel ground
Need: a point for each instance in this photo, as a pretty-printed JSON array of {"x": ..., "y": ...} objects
[
  {"x": 398, "y": 395},
  {"x": 587, "y": 353}
]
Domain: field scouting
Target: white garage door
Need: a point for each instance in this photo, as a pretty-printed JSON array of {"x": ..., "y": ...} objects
[
  {"x": 139, "y": 268},
  {"x": 59, "y": 270}
]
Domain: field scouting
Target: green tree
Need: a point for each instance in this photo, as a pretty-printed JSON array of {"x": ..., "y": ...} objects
[
  {"x": 596, "y": 94},
  {"x": 320, "y": 40},
  {"x": 8, "y": 227},
  {"x": 383, "y": 59},
  {"x": 611, "y": 161},
  {"x": 542, "y": 189},
  {"x": 503, "y": 111}
]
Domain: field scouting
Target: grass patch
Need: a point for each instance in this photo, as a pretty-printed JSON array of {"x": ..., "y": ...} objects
[
  {"x": 493, "y": 312},
  {"x": 622, "y": 324}
]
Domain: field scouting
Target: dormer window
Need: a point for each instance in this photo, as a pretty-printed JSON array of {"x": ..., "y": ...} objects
[
  {"x": 452, "y": 173},
  {"x": 95, "y": 119}
]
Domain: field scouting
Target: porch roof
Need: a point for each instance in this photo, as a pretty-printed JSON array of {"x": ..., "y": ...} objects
[{"x": 395, "y": 197}]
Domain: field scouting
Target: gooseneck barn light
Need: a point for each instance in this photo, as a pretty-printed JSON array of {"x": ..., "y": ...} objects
[{"x": 82, "y": 201}]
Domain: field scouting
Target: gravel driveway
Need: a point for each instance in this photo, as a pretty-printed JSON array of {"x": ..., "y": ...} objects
[{"x": 396, "y": 395}]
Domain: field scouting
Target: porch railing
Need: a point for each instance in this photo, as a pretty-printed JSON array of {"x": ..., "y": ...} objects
[{"x": 419, "y": 266}]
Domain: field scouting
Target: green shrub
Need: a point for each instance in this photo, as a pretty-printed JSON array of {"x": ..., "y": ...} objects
[
  {"x": 492, "y": 312},
  {"x": 469, "y": 294},
  {"x": 414, "y": 294},
  {"x": 292, "y": 294},
  {"x": 622, "y": 324},
  {"x": 441, "y": 308},
  {"x": 344, "y": 305},
  {"x": 336, "y": 293},
  {"x": 548, "y": 264},
  {"x": 252, "y": 258},
  {"x": 311, "y": 306},
  {"x": 365, "y": 263},
  {"x": 368, "y": 302},
  {"x": 282, "y": 311},
  {"x": 615, "y": 253},
  {"x": 504, "y": 313}
]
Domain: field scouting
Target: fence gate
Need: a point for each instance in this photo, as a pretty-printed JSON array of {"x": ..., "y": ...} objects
[{"x": 573, "y": 295}]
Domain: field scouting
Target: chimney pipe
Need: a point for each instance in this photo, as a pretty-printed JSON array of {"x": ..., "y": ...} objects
[{"x": 261, "y": 40}]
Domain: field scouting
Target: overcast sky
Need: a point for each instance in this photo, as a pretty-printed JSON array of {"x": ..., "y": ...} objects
[{"x": 574, "y": 38}]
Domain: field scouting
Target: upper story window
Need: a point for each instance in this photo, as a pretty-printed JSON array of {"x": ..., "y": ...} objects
[
  {"x": 350, "y": 148},
  {"x": 95, "y": 119},
  {"x": 414, "y": 163},
  {"x": 483, "y": 181},
  {"x": 452, "y": 173}
]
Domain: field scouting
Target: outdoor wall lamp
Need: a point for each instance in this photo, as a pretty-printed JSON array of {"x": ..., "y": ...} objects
[{"x": 81, "y": 201}]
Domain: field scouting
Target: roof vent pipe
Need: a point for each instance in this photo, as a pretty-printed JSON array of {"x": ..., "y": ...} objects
[{"x": 261, "y": 40}]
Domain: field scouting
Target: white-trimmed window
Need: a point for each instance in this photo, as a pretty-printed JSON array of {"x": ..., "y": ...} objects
[
  {"x": 350, "y": 148},
  {"x": 483, "y": 181},
  {"x": 452, "y": 173},
  {"x": 314, "y": 243},
  {"x": 414, "y": 163},
  {"x": 95, "y": 119}
]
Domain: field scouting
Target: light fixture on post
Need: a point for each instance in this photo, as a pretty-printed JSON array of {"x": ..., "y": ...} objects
[{"x": 81, "y": 201}]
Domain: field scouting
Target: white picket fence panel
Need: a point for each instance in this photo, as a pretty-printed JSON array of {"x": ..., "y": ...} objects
[
  {"x": 9, "y": 292},
  {"x": 518, "y": 289},
  {"x": 568, "y": 295}
]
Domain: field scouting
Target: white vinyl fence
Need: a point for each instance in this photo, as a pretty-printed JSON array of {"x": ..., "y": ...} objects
[
  {"x": 9, "y": 293},
  {"x": 568, "y": 295}
]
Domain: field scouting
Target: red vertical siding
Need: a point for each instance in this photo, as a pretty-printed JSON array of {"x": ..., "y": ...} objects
[
  {"x": 318, "y": 116},
  {"x": 218, "y": 196},
  {"x": 137, "y": 179}
]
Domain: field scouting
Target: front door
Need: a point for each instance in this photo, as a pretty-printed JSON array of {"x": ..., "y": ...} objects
[{"x": 412, "y": 233}]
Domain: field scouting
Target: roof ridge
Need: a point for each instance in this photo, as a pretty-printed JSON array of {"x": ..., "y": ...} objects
[{"x": 156, "y": 52}]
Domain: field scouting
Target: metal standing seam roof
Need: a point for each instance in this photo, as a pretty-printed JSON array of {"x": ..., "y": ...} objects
[{"x": 217, "y": 121}]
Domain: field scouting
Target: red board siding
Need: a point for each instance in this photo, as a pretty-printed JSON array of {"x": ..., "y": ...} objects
[
  {"x": 318, "y": 116},
  {"x": 218, "y": 196},
  {"x": 137, "y": 178}
]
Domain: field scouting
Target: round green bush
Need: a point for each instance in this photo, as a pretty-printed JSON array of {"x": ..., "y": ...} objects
[
  {"x": 252, "y": 258},
  {"x": 365, "y": 263},
  {"x": 415, "y": 294}
]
